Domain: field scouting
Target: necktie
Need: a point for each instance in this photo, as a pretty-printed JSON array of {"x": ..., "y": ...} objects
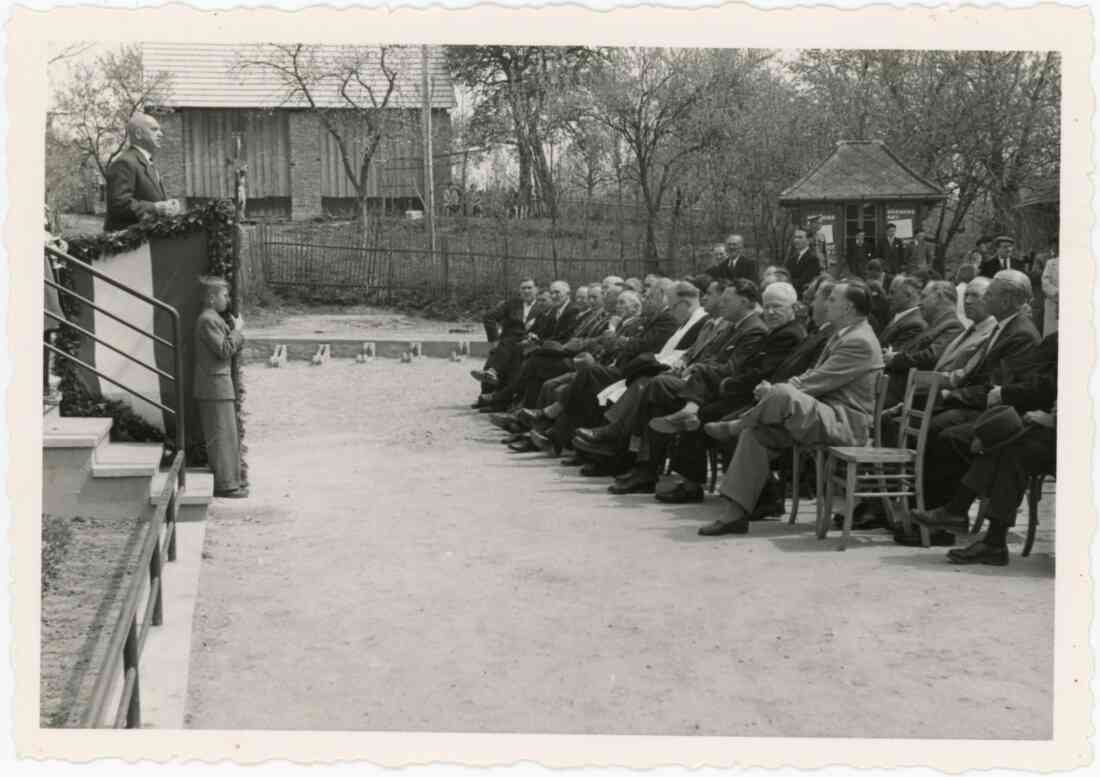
[{"x": 156, "y": 177}]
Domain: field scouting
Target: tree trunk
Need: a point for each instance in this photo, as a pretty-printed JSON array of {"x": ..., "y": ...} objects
[
  {"x": 671, "y": 253},
  {"x": 524, "y": 189}
]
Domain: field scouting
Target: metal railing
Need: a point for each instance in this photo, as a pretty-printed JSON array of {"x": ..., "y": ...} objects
[
  {"x": 174, "y": 344},
  {"x": 129, "y": 633}
]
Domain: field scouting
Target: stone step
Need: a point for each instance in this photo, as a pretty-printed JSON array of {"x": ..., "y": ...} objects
[
  {"x": 127, "y": 459},
  {"x": 197, "y": 495},
  {"x": 64, "y": 432}
]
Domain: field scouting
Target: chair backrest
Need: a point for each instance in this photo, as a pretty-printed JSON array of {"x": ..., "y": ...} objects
[
  {"x": 882, "y": 385},
  {"x": 921, "y": 390}
]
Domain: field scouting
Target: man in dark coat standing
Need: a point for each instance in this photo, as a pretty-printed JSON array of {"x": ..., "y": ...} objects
[
  {"x": 804, "y": 264},
  {"x": 1002, "y": 259},
  {"x": 892, "y": 251},
  {"x": 135, "y": 188}
]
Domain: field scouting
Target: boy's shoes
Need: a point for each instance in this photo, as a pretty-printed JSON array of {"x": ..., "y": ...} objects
[{"x": 231, "y": 493}]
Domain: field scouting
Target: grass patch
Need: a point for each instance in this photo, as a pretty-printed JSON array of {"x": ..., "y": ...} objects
[{"x": 57, "y": 535}]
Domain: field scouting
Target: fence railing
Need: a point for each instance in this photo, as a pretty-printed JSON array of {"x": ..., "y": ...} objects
[
  {"x": 132, "y": 626},
  {"x": 320, "y": 267},
  {"x": 175, "y": 344}
]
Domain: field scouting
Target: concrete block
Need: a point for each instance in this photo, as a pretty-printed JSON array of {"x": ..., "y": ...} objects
[{"x": 321, "y": 356}]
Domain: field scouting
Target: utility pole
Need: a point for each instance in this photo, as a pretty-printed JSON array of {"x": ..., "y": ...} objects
[{"x": 426, "y": 126}]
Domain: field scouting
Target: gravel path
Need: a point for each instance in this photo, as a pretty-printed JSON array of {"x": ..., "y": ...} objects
[{"x": 397, "y": 569}]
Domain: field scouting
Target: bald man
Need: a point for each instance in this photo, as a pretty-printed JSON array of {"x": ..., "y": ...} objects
[{"x": 135, "y": 188}]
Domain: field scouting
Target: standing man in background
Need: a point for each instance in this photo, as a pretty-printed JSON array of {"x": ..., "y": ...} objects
[{"x": 892, "y": 251}]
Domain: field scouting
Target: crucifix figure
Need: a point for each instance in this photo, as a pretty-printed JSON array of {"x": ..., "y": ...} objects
[{"x": 240, "y": 171}]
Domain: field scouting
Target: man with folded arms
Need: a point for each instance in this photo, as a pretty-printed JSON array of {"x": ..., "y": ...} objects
[
  {"x": 506, "y": 327},
  {"x": 689, "y": 390},
  {"x": 996, "y": 465},
  {"x": 830, "y": 404},
  {"x": 783, "y": 336}
]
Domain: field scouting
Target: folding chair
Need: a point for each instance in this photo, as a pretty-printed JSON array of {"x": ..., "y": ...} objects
[{"x": 884, "y": 473}]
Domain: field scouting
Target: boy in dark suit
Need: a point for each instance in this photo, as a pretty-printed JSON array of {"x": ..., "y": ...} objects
[{"x": 215, "y": 346}]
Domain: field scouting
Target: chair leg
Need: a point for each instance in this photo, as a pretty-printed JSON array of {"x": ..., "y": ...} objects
[
  {"x": 979, "y": 519},
  {"x": 1034, "y": 494},
  {"x": 824, "y": 492},
  {"x": 712, "y": 466},
  {"x": 796, "y": 476},
  {"x": 823, "y": 508},
  {"x": 851, "y": 470}
]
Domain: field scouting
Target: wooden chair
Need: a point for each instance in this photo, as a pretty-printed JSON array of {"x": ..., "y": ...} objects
[
  {"x": 1034, "y": 496},
  {"x": 882, "y": 382},
  {"x": 884, "y": 473}
]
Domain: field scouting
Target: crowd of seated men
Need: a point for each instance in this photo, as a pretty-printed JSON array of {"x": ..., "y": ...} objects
[{"x": 625, "y": 377}]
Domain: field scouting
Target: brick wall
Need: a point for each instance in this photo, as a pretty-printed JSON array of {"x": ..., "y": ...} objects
[
  {"x": 170, "y": 156},
  {"x": 305, "y": 166}
]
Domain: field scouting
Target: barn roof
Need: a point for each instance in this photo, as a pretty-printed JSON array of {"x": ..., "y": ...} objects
[
  {"x": 861, "y": 170},
  {"x": 210, "y": 75}
]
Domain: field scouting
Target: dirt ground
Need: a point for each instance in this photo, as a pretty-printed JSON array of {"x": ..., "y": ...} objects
[
  {"x": 79, "y": 607},
  {"x": 397, "y": 569}
]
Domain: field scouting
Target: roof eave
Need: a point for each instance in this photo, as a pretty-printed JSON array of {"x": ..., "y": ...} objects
[{"x": 800, "y": 200}]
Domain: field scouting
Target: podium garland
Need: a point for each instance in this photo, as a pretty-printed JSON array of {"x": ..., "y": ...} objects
[{"x": 218, "y": 219}]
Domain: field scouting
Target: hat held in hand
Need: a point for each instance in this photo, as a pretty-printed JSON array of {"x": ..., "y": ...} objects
[{"x": 997, "y": 427}]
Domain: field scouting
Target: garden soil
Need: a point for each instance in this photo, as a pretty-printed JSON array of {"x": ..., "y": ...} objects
[{"x": 396, "y": 568}]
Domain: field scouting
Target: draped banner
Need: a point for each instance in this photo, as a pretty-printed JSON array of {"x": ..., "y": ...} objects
[{"x": 167, "y": 269}]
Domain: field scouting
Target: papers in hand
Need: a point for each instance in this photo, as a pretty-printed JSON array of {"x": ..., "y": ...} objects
[{"x": 614, "y": 392}]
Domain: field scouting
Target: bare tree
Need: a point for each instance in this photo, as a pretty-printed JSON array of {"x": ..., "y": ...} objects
[
  {"x": 351, "y": 90},
  {"x": 97, "y": 98}
]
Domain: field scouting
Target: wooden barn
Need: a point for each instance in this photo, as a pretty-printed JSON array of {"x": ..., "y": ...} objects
[{"x": 222, "y": 113}]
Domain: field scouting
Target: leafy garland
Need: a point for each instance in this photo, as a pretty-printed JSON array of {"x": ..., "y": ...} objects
[{"x": 219, "y": 220}]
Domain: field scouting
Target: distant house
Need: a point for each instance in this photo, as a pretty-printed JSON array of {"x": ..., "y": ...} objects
[
  {"x": 219, "y": 117},
  {"x": 861, "y": 187}
]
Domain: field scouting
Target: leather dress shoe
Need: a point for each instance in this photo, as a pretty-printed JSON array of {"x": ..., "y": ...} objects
[
  {"x": 718, "y": 528},
  {"x": 231, "y": 493},
  {"x": 683, "y": 493},
  {"x": 596, "y": 469},
  {"x": 938, "y": 538},
  {"x": 979, "y": 553},
  {"x": 502, "y": 420},
  {"x": 528, "y": 417},
  {"x": 599, "y": 434},
  {"x": 513, "y": 437},
  {"x": 638, "y": 484},
  {"x": 675, "y": 423},
  {"x": 765, "y": 510},
  {"x": 487, "y": 378},
  {"x": 544, "y": 442},
  {"x": 594, "y": 448},
  {"x": 523, "y": 446},
  {"x": 493, "y": 407},
  {"x": 573, "y": 461},
  {"x": 941, "y": 519}
]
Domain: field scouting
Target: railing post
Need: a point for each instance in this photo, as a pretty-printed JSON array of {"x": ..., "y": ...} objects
[
  {"x": 170, "y": 517},
  {"x": 156, "y": 579},
  {"x": 130, "y": 661}
]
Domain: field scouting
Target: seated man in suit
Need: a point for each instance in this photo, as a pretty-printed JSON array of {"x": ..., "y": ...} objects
[
  {"x": 907, "y": 322},
  {"x": 215, "y": 346},
  {"x": 687, "y": 391},
  {"x": 937, "y": 308},
  {"x": 612, "y": 282},
  {"x": 830, "y": 404},
  {"x": 135, "y": 189},
  {"x": 506, "y": 328},
  {"x": 699, "y": 325},
  {"x": 735, "y": 392},
  {"x": 615, "y": 349},
  {"x": 959, "y": 351},
  {"x": 1000, "y": 475},
  {"x": 1007, "y": 351},
  {"x": 735, "y": 264},
  {"x": 553, "y": 326}
]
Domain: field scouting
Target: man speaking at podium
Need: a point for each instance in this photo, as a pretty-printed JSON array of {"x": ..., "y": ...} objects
[{"x": 135, "y": 189}]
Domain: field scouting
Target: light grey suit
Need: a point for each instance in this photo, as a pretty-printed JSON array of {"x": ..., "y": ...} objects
[
  {"x": 829, "y": 404},
  {"x": 215, "y": 346}
]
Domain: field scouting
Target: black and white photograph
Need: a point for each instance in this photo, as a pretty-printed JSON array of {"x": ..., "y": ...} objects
[{"x": 581, "y": 388}]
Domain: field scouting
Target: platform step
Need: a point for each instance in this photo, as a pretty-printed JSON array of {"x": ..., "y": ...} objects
[
  {"x": 198, "y": 493},
  {"x": 127, "y": 460},
  {"x": 64, "y": 432}
]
